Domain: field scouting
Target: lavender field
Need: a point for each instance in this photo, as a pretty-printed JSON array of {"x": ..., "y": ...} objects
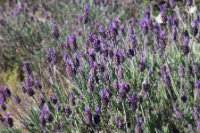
[{"x": 99, "y": 66}]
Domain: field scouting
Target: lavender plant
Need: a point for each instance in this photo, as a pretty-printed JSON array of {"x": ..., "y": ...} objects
[{"x": 116, "y": 75}]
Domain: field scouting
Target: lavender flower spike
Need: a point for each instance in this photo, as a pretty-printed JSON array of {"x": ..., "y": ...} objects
[
  {"x": 87, "y": 115},
  {"x": 197, "y": 88},
  {"x": 96, "y": 116}
]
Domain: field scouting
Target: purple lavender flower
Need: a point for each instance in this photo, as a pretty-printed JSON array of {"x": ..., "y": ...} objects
[
  {"x": 5, "y": 91},
  {"x": 167, "y": 81},
  {"x": 41, "y": 103},
  {"x": 162, "y": 71},
  {"x": 55, "y": 30},
  {"x": 102, "y": 67},
  {"x": 115, "y": 85},
  {"x": 141, "y": 63},
  {"x": 58, "y": 106},
  {"x": 96, "y": 116},
  {"x": 16, "y": 99},
  {"x": 172, "y": 4},
  {"x": 172, "y": 20},
  {"x": 3, "y": 106},
  {"x": 195, "y": 23},
  {"x": 132, "y": 102},
  {"x": 198, "y": 126},
  {"x": 106, "y": 77},
  {"x": 150, "y": 71},
  {"x": 87, "y": 115},
  {"x": 138, "y": 126},
  {"x": 118, "y": 57},
  {"x": 144, "y": 25},
  {"x": 155, "y": 28},
  {"x": 28, "y": 85},
  {"x": 50, "y": 118},
  {"x": 96, "y": 45},
  {"x": 65, "y": 57},
  {"x": 26, "y": 67},
  {"x": 147, "y": 12},
  {"x": 185, "y": 47},
  {"x": 37, "y": 84},
  {"x": 183, "y": 96},
  {"x": 91, "y": 54},
  {"x": 163, "y": 9},
  {"x": 97, "y": 109},
  {"x": 145, "y": 88},
  {"x": 115, "y": 23},
  {"x": 119, "y": 72},
  {"x": 185, "y": 38},
  {"x": 86, "y": 14},
  {"x": 188, "y": 2},
  {"x": 197, "y": 84},
  {"x": 30, "y": 92},
  {"x": 42, "y": 121},
  {"x": 72, "y": 42},
  {"x": 101, "y": 30},
  {"x": 76, "y": 61},
  {"x": 195, "y": 67},
  {"x": 90, "y": 85},
  {"x": 122, "y": 29},
  {"x": 8, "y": 120},
  {"x": 86, "y": 8},
  {"x": 48, "y": 54},
  {"x": 162, "y": 40},
  {"x": 17, "y": 9},
  {"x": 91, "y": 37},
  {"x": 194, "y": 29},
  {"x": 71, "y": 98},
  {"x": 51, "y": 55},
  {"x": 130, "y": 98},
  {"x": 67, "y": 45},
  {"x": 132, "y": 39},
  {"x": 110, "y": 52},
  {"x": 165, "y": 76},
  {"x": 60, "y": 126},
  {"x": 123, "y": 89},
  {"x": 25, "y": 7},
  {"x": 68, "y": 110},
  {"x": 130, "y": 52},
  {"x": 72, "y": 38},
  {"x": 118, "y": 122},
  {"x": 113, "y": 31},
  {"x": 28, "y": 81},
  {"x": 197, "y": 88},
  {"x": 174, "y": 33},
  {"x": 104, "y": 95},
  {"x": 93, "y": 70},
  {"x": 69, "y": 69},
  {"x": 47, "y": 115},
  {"x": 49, "y": 71},
  {"x": 2, "y": 22},
  {"x": 53, "y": 98},
  {"x": 104, "y": 50}
]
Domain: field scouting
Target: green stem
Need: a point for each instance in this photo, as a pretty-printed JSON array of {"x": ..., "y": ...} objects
[{"x": 125, "y": 117}]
